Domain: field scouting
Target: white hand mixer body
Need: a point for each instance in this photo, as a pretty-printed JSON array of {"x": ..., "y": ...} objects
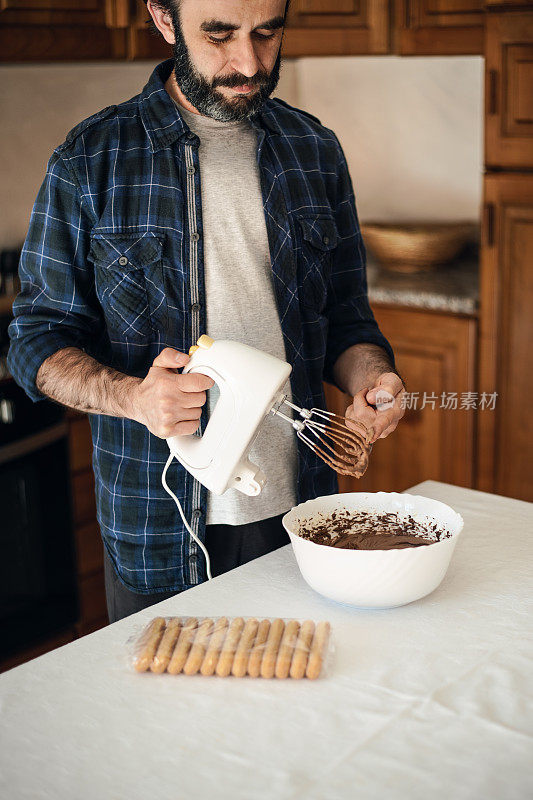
[{"x": 250, "y": 384}]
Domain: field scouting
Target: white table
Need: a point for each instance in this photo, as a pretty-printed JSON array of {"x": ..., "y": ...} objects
[{"x": 430, "y": 700}]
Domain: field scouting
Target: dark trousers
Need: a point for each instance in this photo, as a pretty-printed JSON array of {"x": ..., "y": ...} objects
[{"x": 228, "y": 546}]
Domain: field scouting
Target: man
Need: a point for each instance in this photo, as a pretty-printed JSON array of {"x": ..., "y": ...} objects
[{"x": 198, "y": 206}]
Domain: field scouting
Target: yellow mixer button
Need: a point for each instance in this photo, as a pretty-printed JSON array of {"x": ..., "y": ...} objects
[
  {"x": 205, "y": 341},
  {"x": 193, "y": 348}
]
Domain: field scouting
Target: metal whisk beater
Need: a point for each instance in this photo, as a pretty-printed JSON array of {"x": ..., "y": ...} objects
[{"x": 345, "y": 450}]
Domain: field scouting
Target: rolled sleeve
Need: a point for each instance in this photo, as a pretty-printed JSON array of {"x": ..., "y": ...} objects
[
  {"x": 351, "y": 320},
  {"x": 56, "y": 306}
]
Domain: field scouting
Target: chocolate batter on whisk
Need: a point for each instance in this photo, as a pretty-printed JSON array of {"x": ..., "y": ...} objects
[{"x": 345, "y": 449}]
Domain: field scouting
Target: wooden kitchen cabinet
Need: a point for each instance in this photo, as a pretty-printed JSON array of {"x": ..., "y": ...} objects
[
  {"x": 79, "y": 30},
  {"x": 509, "y": 90},
  {"x": 89, "y": 547},
  {"x": 337, "y": 27},
  {"x": 357, "y": 27},
  {"x": 63, "y": 30},
  {"x": 435, "y": 353},
  {"x": 438, "y": 27},
  {"x": 505, "y": 438}
]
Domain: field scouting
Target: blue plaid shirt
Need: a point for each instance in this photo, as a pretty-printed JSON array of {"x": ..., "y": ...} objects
[{"x": 113, "y": 264}]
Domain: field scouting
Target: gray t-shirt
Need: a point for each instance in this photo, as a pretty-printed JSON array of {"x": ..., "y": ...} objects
[{"x": 241, "y": 303}]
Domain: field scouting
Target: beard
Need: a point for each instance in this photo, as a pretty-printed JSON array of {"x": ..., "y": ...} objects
[{"x": 203, "y": 94}]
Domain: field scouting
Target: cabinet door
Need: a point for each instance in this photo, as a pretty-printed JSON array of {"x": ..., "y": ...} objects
[
  {"x": 439, "y": 27},
  {"x": 63, "y": 30},
  {"x": 435, "y": 355},
  {"x": 509, "y": 90},
  {"x": 336, "y": 27},
  {"x": 505, "y": 438}
]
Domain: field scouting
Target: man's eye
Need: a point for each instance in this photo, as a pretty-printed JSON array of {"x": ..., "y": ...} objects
[
  {"x": 219, "y": 41},
  {"x": 216, "y": 40}
]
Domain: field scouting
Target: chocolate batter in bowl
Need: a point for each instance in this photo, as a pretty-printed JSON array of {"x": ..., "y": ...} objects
[{"x": 373, "y": 549}]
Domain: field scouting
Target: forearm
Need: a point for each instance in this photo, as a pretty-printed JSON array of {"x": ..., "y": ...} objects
[
  {"x": 75, "y": 379},
  {"x": 359, "y": 366}
]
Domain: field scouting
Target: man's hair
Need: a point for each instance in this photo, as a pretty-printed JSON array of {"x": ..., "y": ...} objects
[{"x": 173, "y": 5}]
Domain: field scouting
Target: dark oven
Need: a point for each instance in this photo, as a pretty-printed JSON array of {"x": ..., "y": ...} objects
[{"x": 38, "y": 591}]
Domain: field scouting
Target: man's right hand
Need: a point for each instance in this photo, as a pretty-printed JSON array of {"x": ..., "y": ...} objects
[{"x": 169, "y": 403}]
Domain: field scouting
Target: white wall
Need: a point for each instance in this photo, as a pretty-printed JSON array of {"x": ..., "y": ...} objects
[{"x": 411, "y": 127}]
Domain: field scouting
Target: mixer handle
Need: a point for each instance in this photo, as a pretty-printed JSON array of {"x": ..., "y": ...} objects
[{"x": 195, "y": 451}]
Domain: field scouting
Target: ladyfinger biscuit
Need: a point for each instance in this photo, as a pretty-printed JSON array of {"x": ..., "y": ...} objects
[
  {"x": 214, "y": 647},
  {"x": 302, "y": 649},
  {"x": 286, "y": 649},
  {"x": 318, "y": 650},
  {"x": 183, "y": 645},
  {"x": 199, "y": 646},
  {"x": 256, "y": 656},
  {"x": 227, "y": 654},
  {"x": 270, "y": 654},
  {"x": 149, "y": 643},
  {"x": 244, "y": 648},
  {"x": 166, "y": 646}
]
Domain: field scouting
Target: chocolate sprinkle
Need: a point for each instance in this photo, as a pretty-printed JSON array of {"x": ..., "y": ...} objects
[{"x": 364, "y": 530}]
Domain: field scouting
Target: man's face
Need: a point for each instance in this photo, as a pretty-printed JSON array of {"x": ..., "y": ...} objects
[{"x": 227, "y": 54}]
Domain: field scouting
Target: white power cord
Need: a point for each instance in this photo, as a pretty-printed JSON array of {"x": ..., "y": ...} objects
[{"x": 190, "y": 530}]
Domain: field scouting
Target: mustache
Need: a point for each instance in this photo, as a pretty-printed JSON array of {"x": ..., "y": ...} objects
[{"x": 259, "y": 79}]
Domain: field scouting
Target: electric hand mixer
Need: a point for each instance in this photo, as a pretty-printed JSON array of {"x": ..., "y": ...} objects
[{"x": 250, "y": 383}]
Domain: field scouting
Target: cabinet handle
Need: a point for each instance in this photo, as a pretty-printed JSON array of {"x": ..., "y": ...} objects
[
  {"x": 489, "y": 224},
  {"x": 493, "y": 88}
]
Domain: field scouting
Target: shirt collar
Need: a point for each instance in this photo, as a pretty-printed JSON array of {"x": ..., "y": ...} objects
[{"x": 163, "y": 122}]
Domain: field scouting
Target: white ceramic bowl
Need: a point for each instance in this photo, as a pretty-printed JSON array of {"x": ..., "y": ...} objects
[{"x": 374, "y": 578}]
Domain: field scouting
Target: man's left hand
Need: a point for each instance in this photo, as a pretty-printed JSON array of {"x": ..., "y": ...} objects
[{"x": 386, "y": 395}]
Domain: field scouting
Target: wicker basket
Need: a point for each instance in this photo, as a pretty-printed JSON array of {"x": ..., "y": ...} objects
[{"x": 416, "y": 247}]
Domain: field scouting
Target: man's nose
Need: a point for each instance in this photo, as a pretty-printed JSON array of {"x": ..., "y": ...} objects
[{"x": 244, "y": 58}]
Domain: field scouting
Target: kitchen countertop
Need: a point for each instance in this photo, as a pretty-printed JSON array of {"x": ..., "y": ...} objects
[
  {"x": 432, "y": 699},
  {"x": 452, "y": 288}
]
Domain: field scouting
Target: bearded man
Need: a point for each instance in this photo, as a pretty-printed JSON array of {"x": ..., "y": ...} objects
[{"x": 201, "y": 205}]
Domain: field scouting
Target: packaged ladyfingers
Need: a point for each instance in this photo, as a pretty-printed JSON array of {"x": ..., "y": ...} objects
[{"x": 233, "y": 646}]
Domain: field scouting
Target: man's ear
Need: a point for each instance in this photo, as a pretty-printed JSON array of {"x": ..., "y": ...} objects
[{"x": 163, "y": 22}]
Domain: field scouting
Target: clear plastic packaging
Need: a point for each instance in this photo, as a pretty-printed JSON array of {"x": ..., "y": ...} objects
[{"x": 238, "y": 646}]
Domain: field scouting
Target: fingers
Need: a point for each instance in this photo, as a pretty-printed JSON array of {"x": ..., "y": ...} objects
[
  {"x": 388, "y": 430},
  {"x": 177, "y": 423},
  {"x": 168, "y": 402},
  {"x": 360, "y": 411},
  {"x": 381, "y": 422},
  {"x": 192, "y": 399},
  {"x": 388, "y": 418},
  {"x": 195, "y": 382},
  {"x": 170, "y": 359},
  {"x": 182, "y": 428},
  {"x": 386, "y": 396},
  {"x": 388, "y": 382},
  {"x": 190, "y": 382}
]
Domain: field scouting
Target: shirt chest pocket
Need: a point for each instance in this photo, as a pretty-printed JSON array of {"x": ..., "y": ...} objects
[
  {"x": 316, "y": 239},
  {"x": 129, "y": 283}
]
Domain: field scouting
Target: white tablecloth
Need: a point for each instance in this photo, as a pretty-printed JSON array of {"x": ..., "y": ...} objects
[{"x": 430, "y": 700}]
